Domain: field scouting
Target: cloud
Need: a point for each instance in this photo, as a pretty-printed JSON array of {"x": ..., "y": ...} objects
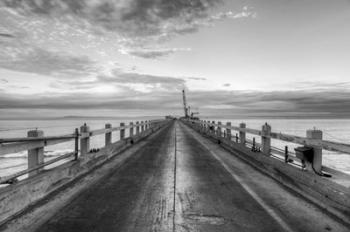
[
  {"x": 128, "y": 77},
  {"x": 6, "y": 35},
  {"x": 43, "y": 62},
  {"x": 226, "y": 103},
  {"x": 208, "y": 20},
  {"x": 153, "y": 53},
  {"x": 88, "y": 101},
  {"x": 126, "y": 82},
  {"x": 137, "y": 25},
  {"x": 4, "y": 81},
  {"x": 197, "y": 78},
  {"x": 246, "y": 12},
  {"x": 226, "y": 85},
  {"x": 24, "y": 46},
  {"x": 133, "y": 17},
  {"x": 143, "y": 82},
  {"x": 38, "y": 36},
  {"x": 321, "y": 85}
]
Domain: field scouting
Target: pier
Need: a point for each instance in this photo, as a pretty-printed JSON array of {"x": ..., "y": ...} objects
[{"x": 176, "y": 175}]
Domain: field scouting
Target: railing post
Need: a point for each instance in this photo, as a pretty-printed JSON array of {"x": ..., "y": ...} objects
[
  {"x": 131, "y": 130},
  {"x": 122, "y": 131},
  {"x": 142, "y": 126},
  {"x": 137, "y": 128},
  {"x": 218, "y": 130},
  {"x": 36, "y": 155},
  {"x": 150, "y": 125},
  {"x": 316, "y": 135},
  {"x": 228, "y": 131},
  {"x": 286, "y": 154},
  {"x": 84, "y": 142},
  {"x": 242, "y": 133},
  {"x": 213, "y": 128},
  {"x": 76, "y": 143},
  {"x": 108, "y": 135},
  {"x": 266, "y": 139}
]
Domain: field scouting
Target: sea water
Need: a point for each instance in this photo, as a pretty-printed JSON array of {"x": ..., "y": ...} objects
[{"x": 337, "y": 130}]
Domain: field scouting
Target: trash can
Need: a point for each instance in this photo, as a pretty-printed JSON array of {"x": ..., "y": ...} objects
[{"x": 305, "y": 153}]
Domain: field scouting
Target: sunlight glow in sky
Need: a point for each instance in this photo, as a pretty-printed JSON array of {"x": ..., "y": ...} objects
[{"x": 239, "y": 57}]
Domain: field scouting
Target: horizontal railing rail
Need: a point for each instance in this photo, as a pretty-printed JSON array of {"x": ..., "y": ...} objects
[
  {"x": 8, "y": 178},
  {"x": 15, "y": 147},
  {"x": 28, "y": 139}
]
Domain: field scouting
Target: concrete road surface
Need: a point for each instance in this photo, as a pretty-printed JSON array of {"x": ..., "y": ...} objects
[{"x": 181, "y": 181}]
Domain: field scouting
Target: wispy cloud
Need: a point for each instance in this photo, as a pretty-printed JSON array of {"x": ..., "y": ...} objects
[
  {"x": 246, "y": 12},
  {"x": 4, "y": 81},
  {"x": 154, "y": 53},
  {"x": 6, "y": 35},
  {"x": 321, "y": 85},
  {"x": 197, "y": 78},
  {"x": 36, "y": 60},
  {"x": 132, "y": 82}
]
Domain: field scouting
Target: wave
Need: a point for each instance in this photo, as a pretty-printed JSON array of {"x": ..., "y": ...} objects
[
  {"x": 24, "y": 154},
  {"x": 14, "y": 166}
]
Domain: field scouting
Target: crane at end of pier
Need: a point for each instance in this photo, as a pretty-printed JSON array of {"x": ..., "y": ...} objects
[
  {"x": 185, "y": 103},
  {"x": 187, "y": 109}
]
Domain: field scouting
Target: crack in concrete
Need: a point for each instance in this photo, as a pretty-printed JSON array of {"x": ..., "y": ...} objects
[
  {"x": 174, "y": 196},
  {"x": 206, "y": 219}
]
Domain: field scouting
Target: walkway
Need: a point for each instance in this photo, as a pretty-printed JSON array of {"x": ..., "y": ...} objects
[{"x": 181, "y": 181}]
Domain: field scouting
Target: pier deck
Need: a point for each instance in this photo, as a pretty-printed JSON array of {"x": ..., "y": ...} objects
[{"x": 181, "y": 181}]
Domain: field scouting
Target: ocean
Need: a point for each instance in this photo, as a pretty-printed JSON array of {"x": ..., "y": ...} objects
[{"x": 333, "y": 129}]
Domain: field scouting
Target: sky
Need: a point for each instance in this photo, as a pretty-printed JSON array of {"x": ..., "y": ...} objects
[{"x": 234, "y": 58}]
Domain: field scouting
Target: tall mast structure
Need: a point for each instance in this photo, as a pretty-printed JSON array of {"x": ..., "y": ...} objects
[{"x": 185, "y": 103}]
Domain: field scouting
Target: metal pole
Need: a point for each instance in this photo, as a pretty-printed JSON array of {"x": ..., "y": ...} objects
[{"x": 76, "y": 145}]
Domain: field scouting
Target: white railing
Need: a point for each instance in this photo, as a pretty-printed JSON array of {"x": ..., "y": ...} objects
[{"x": 35, "y": 145}]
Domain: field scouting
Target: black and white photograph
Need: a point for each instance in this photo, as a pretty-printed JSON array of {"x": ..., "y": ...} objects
[{"x": 175, "y": 115}]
